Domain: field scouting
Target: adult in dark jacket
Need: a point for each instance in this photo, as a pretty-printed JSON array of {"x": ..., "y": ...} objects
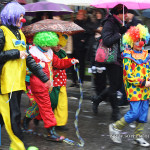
[
  {"x": 79, "y": 50},
  {"x": 111, "y": 34},
  {"x": 94, "y": 28},
  {"x": 99, "y": 77},
  {"x": 13, "y": 71}
]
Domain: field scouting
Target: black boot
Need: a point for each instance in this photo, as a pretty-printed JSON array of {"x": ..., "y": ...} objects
[
  {"x": 26, "y": 122},
  {"x": 115, "y": 109},
  {"x": 52, "y": 136},
  {"x": 95, "y": 102},
  {"x": 36, "y": 122},
  {"x": 97, "y": 99}
]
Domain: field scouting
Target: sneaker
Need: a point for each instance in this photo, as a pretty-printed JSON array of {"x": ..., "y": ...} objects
[
  {"x": 53, "y": 136},
  {"x": 27, "y": 148},
  {"x": 115, "y": 134},
  {"x": 32, "y": 148},
  {"x": 141, "y": 141},
  {"x": 132, "y": 125}
]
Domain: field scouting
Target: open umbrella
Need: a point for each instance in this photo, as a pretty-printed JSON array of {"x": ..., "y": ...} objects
[
  {"x": 73, "y": 2},
  {"x": 55, "y": 8},
  {"x": 52, "y": 25},
  {"x": 130, "y": 4}
]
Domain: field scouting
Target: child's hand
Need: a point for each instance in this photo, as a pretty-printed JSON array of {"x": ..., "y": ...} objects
[
  {"x": 147, "y": 84},
  {"x": 42, "y": 64},
  {"x": 48, "y": 84},
  {"x": 74, "y": 61},
  {"x": 23, "y": 54}
]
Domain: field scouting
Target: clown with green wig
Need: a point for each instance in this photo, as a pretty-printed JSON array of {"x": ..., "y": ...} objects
[
  {"x": 45, "y": 57},
  {"x": 136, "y": 78}
]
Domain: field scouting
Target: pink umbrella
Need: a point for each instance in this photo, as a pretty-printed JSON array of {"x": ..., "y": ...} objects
[{"x": 131, "y": 4}]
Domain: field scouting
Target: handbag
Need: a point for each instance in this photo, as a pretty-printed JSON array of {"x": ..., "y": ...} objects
[{"x": 106, "y": 54}]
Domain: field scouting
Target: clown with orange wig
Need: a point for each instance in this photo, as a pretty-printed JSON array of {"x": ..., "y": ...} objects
[{"x": 136, "y": 68}]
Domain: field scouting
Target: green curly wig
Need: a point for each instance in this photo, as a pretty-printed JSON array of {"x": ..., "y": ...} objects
[{"x": 45, "y": 38}]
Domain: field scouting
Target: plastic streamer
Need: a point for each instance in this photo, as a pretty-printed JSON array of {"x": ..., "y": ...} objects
[
  {"x": 66, "y": 140},
  {"x": 81, "y": 144}
]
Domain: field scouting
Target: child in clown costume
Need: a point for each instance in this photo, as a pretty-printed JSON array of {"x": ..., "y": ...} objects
[
  {"x": 13, "y": 71},
  {"x": 59, "y": 93},
  {"x": 43, "y": 55},
  {"x": 136, "y": 75}
]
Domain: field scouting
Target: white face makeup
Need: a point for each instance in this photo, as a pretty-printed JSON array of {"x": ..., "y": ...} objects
[
  {"x": 18, "y": 24},
  {"x": 137, "y": 43}
]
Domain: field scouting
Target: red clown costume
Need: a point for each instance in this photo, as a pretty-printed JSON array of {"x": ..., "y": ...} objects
[{"x": 44, "y": 40}]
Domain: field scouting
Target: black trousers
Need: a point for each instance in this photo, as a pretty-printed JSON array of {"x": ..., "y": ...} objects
[
  {"x": 115, "y": 76},
  {"x": 99, "y": 81},
  {"x": 15, "y": 113},
  {"x": 1, "y": 120}
]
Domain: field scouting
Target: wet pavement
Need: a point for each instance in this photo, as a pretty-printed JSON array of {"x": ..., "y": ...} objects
[{"x": 93, "y": 129}]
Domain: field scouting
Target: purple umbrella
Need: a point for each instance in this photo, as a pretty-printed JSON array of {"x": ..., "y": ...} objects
[{"x": 55, "y": 8}]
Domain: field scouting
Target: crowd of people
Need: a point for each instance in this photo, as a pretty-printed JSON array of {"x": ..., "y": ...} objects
[{"x": 40, "y": 67}]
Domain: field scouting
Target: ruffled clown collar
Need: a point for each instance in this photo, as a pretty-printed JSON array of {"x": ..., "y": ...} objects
[{"x": 139, "y": 57}]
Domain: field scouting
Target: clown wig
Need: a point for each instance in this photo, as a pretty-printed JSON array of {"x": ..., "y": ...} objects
[
  {"x": 135, "y": 33},
  {"x": 11, "y": 13},
  {"x": 63, "y": 38},
  {"x": 45, "y": 38}
]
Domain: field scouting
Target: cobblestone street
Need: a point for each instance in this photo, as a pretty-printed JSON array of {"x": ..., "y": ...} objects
[{"x": 93, "y": 129}]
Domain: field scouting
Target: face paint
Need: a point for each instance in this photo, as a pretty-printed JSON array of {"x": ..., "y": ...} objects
[{"x": 139, "y": 43}]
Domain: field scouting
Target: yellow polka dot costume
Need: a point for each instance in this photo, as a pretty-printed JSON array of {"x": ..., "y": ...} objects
[{"x": 136, "y": 71}]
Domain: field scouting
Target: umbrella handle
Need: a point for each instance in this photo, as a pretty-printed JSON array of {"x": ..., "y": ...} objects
[
  {"x": 123, "y": 15},
  {"x": 107, "y": 12}
]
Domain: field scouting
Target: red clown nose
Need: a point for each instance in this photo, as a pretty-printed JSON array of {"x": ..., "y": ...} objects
[
  {"x": 23, "y": 20},
  {"x": 141, "y": 43}
]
